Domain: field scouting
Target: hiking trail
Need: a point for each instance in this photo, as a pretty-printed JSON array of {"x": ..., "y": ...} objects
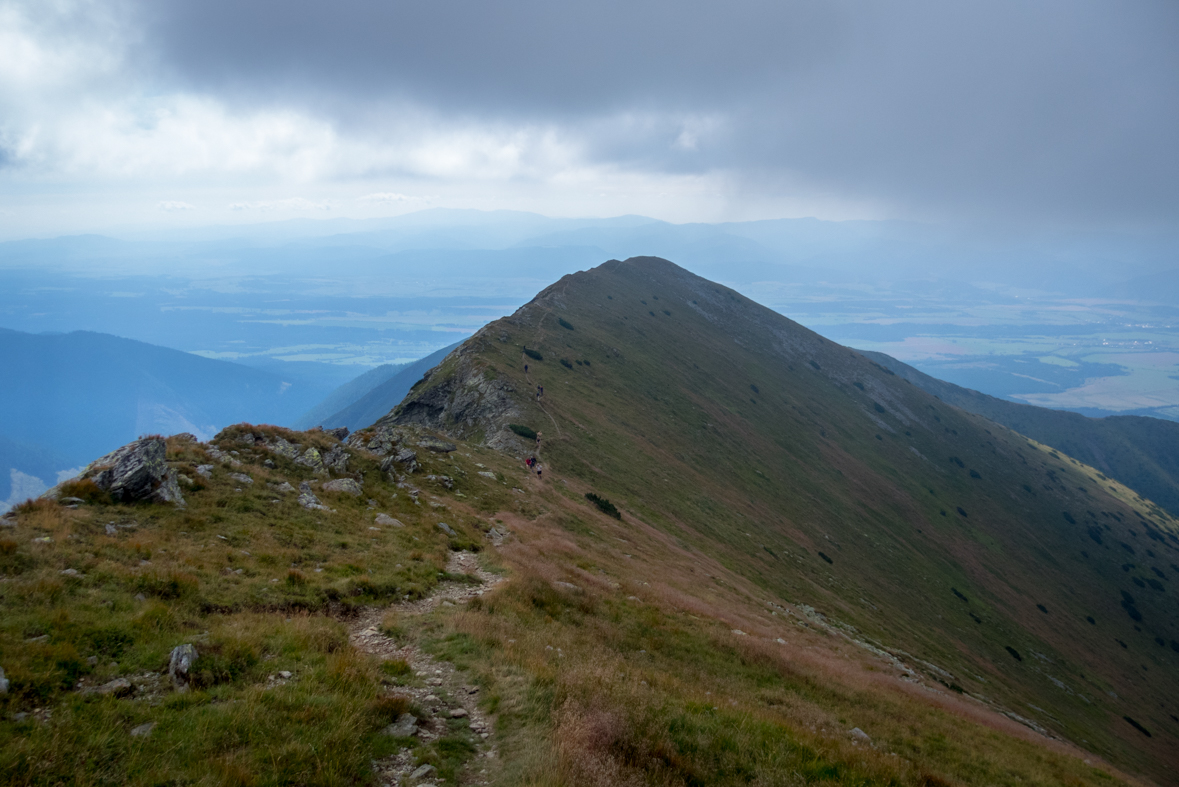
[{"x": 444, "y": 695}]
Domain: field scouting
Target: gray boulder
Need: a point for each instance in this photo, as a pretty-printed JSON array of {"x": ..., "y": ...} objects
[
  {"x": 387, "y": 521},
  {"x": 180, "y": 665},
  {"x": 406, "y": 726},
  {"x": 136, "y": 472},
  {"x": 447, "y": 529},
  {"x": 241, "y": 478},
  {"x": 308, "y": 500},
  {"x": 340, "y": 432},
  {"x": 283, "y": 487},
  {"x": 313, "y": 459},
  {"x": 143, "y": 730},
  {"x": 119, "y": 687},
  {"x": 346, "y": 485},
  {"x": 405, "y": 457},
  {"x": 421, "y": 772},
  {"x": 283, "y": 447},
  {"x": 336, "y": 459},
  {"x": 436, "y": 445}
]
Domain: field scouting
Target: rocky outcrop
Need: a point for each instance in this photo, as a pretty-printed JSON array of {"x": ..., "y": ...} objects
[
  {"x": 463, "y": 399},
  {"x": 136, "y": 472}
]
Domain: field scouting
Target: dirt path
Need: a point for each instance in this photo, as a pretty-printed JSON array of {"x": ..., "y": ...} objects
[
  {"x": 540, "y": 337},
  {"x": 445, "y": 694}
]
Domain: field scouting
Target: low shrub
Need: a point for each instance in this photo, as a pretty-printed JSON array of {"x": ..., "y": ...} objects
[
  {"x": 564, "y": 323},
  {"x": 87, "y": 490},
  {"x": 533, "y": 354},
  {"x": 523, "y": 431},
  {"x": 604, "y": 505},
  {"x": 565, "y": 362}
]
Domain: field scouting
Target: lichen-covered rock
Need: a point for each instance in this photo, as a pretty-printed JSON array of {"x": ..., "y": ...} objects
[
  {"x": 241, "y": 478},
  {"x": 308, "y": 500},
  {"x": 346, "y": 485},
  {"x": 283, "y": 487},
  {"x": 313, "y": 459},
  {"x": 387, "y": 521}
]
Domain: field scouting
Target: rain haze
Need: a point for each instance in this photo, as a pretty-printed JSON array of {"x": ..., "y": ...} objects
[{"x": 315, "y": 191}]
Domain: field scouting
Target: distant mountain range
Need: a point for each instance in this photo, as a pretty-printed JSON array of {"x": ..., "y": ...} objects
[
  {"x": 1139, "y": 451},
  {"x": 369, "y": 397},
  {"x": 68, "y": 398}
]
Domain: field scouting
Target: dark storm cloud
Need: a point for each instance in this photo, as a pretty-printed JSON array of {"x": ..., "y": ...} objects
[{"x": 1056, "y": 110}]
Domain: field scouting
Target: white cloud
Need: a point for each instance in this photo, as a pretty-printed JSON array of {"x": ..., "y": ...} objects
[
  {"x": 293, "y": 204},
  {"x": 172, "y": 206}
]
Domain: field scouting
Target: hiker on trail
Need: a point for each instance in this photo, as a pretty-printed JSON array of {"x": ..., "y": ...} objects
[
  {"x": 525, "y": 368},
  {"x": 539, "y": 391},
  {"x": 538, "y": 472},
  {"x": 538, "y": 441}
]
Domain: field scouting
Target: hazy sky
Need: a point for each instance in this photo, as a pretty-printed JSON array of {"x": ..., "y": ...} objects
[{"x": 123, "y": 112}]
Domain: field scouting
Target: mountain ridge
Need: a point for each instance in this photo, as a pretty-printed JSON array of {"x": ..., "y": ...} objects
[
  {"x": 1140, "y": 451},
  {"x": 951, "y": 506}
]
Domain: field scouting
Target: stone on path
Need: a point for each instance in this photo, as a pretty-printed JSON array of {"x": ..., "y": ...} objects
[
  {"x": 422, "y": 772},
  {"x": 406, "y": 726},
  {"x": 458, "y": 713}
]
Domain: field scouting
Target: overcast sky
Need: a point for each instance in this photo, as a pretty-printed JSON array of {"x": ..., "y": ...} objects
[{"x": 133, "y": 112}]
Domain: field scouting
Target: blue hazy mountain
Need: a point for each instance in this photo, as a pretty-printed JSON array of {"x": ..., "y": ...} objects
[
  {"x": 80, "y": 395},
  {"x": 346, "y": 395},
  {"x": 366, "y": 410}
]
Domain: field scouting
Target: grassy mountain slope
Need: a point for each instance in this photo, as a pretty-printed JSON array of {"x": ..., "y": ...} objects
[
  {"x": 83, "y": 394},
  {"x": 1141, "y": 452},
  {"x": 364, "y": 410},
  {"x": 828, "y": 480},
  {"x": 613, "y": 655}
]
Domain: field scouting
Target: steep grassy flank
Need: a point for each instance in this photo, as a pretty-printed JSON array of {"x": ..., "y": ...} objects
[
  {"x": 1141, "y": 452},
  {"x": 826, "y": 479}
]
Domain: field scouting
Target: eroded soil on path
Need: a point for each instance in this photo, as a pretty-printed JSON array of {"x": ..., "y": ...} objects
[{"x": 442, "y": 693}]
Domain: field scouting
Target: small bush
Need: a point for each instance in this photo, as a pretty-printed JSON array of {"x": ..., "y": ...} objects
[
  {"x": 86, "y": 490},
  {"x": 604, "y": 505},
  {"x": 533, "y": 354},
  {"x": 817, "y": 367},
  {"x": 565, "y": 362},
  {"x": 564, "y": 324},
  {"x": 523, "y": 431}
]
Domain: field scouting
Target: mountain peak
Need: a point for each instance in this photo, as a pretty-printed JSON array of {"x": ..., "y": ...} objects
[{"x": 830, "y": 481}]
